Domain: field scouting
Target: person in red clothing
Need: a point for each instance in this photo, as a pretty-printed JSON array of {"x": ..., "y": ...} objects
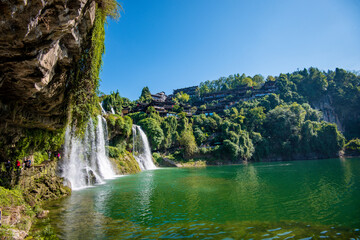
[{"x": 18, "y": 164}]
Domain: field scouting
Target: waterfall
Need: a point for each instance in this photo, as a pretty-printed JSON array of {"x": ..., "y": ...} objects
[
  {"x": 85, "y": 162},
  {"x": 141, "y": 149},
  {"x": 102, "y": 109},
  {"x": 104, "y": 163},
  {"x": 112, "y": 110}
]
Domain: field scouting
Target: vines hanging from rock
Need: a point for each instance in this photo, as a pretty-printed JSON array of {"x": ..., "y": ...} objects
[{"x": 85, "y": 78}]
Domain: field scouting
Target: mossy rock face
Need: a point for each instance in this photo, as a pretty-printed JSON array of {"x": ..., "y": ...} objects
[
  {"x": 40, "y": 183},
  {"x": 20, "y": 205},
  {"x": 16, "y": 214},
  {"x": 126, "y": 164}
]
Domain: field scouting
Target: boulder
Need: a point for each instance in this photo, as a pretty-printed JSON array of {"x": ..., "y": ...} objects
[{"x": 43, "y": 214}]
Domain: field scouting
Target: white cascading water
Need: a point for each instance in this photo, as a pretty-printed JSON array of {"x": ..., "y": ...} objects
[
  {"x": 102, "y": 109},
  {"x": 141, "y": 149},
  {"x": 105, "y": 167},
  {"x": 112, "y": 110},
  {"x": 85, "y": 162}
]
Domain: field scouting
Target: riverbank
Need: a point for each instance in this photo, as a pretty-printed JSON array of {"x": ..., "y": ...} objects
[
  {"x": 173, "y": 160},
  {"x": 29, "y": 189}
]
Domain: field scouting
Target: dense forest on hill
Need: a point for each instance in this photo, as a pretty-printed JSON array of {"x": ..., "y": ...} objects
[{"x": 280, "y": 125}]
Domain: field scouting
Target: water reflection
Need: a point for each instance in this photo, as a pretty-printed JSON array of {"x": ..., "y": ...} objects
[
  {"x": 324, "y": 196},
  {"x": 78, "y": 215},
  {"x": 247, "y": 189},
  {"x": 348, "y": 175},
  {"x": 145, "y": 194},
  {"x": 192, "y": 197},
  {"x": 254, "y": 200}
]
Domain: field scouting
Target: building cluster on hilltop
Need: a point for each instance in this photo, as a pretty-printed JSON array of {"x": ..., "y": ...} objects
[{"x": 208, "y": 103}]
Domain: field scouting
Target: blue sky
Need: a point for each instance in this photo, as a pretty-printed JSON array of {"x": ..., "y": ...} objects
[{"x": 169, "y": 44}]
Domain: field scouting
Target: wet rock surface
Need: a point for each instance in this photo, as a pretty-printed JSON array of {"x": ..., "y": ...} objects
[{"x": 41, "y": 183}]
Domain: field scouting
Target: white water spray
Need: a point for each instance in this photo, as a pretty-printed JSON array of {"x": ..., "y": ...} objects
[
  {"x": 105, "y": 168},
  {"x": 141, "y": 149},
  {"x": 102, "y": 109},
  {"x": 85, "y": 162}
]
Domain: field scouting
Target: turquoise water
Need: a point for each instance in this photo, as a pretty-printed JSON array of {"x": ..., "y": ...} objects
[{"x": 282, "y": 200}]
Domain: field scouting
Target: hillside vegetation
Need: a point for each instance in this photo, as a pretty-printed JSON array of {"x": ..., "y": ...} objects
[{"x": 277, "y": 126}]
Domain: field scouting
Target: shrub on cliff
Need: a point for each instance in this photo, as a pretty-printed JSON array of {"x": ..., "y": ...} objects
[
  {"x": 153, "y": 131},
  {"x": 352, "y": 148},
  {"x": 187, "y": 141},
  {"x": 85, "y": 75}
]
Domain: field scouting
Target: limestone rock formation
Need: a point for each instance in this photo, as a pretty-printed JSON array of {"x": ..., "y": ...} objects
[
  {"x": 325, "y": 105},
  {"x": 40, "y": 42}
]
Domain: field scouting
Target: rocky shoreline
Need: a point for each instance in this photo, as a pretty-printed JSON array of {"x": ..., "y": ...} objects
[{"x": 30, "y": 188}]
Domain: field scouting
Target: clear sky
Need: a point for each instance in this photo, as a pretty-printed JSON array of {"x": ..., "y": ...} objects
[{"x": 169, "y": 44}]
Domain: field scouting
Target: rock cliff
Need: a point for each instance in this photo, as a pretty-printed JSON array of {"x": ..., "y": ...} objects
[
  {"x": 326, "y": 106},
  {"x": 40, "y": 43}
]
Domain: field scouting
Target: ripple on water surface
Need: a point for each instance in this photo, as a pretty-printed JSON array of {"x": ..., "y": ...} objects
[{"x": 301, "y": 200}]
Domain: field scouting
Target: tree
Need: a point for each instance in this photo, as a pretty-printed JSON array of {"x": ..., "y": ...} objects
[
  {"x": 113, "y": 102},
  {"x": 187, "y": 140},
  {"x": 153, "y": 132},
  {"x": 258, "y": 80},
  {"x": 182, "y": 98},
  {"x": 177, "y": 109},
  {"x": 353, "y": 147},
  {"x": 145, "y": 96},
  {"x": 270, "y": 78},
  {"x": 254, "y": 118},
  {"x": 282, "y": 125},
  {"x": 330, "y": 140},
  {"x": 231, "y": 149},
  {"x": 314, "y": 84},
  {"x": 200, "y": 137}
]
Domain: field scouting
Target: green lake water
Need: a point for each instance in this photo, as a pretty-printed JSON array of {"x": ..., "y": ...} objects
[{"x": 312, "y": 199}]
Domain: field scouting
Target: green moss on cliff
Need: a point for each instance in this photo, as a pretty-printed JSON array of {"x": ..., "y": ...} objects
[
  {"x": 85, "y": 78},
  {"x": 41, "y": 183},
  {"x": 16, "y": 213},
  {"x": 10, "y": 198},
  {"x": 37, "y": 140},
  {"x": 125, "y": 163},
  {"x": 22, "y": 204}
]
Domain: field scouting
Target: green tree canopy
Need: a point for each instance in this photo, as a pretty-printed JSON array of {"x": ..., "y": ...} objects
[
  {"x": 153, "y": 131},
  {"x": 145, "y": 96}
]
